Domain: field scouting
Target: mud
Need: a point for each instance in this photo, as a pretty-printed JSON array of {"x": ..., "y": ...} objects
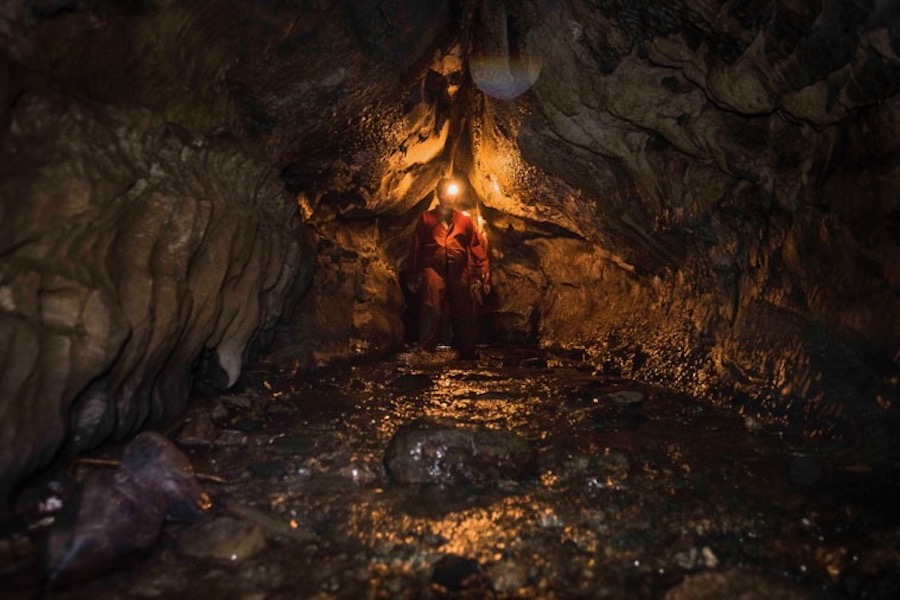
[{"x": 638, "y": 493}]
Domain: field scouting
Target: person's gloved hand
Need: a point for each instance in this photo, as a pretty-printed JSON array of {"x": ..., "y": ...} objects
[
  {"x": 413, "y": 284},
  {"x": 477, "y": 292}
]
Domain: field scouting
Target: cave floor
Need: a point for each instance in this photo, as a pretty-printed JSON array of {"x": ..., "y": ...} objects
[{"x": 639, "y": 493}]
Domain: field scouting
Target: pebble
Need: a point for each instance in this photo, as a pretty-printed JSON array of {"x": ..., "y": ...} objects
[
  {"x": 742, "y": 584},
  {"x": 224, "y": 539},
  {"x": 231, "y": 437}
]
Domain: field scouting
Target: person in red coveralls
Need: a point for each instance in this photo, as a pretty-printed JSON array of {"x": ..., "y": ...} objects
[{"x": 446, "y": 242}]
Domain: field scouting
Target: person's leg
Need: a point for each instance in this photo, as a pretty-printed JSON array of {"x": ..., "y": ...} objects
[
  {"x": 465, "y": 320},
  {"x": 433, "y": 297}
]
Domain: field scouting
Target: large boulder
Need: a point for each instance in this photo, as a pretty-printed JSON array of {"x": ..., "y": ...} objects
[
  {"x": 117, "y": 515},
  {"x": 425, "y": 451}
]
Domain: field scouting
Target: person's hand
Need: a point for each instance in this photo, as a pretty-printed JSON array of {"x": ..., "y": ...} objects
[
  {"x": 477, "y": 288},
  {"x": 486, "y": 287},
  {"x": 414, "y": 283}
]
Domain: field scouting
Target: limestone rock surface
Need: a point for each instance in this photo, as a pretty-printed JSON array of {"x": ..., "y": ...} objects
[{"x": 130, "y": 251}]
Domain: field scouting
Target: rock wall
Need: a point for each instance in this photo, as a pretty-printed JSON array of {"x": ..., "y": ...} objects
[
  {"x": 354, "y": 307},
  {"x": 130, "y": 250},
  {"x": 723, "y": 175}
]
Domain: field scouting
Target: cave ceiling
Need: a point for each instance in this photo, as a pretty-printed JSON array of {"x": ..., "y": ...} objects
[{"x": 575, "y": 114}]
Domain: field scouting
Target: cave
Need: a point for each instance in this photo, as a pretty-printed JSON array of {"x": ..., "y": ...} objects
[{"x": 693, "y": 220}]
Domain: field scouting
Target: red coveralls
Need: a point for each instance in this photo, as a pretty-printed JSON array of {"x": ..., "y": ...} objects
[{"x": 441, "y": 256}]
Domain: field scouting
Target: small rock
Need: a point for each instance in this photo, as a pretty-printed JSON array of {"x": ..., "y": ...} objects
[
  {"x": 753, "y": 425},
  {"x": 269, "y": 469},
  {"x": 456, "y": 573},
  {"x": 231, "y": 437},
  {"x": 360, "y": 473},
  {"x": 535, "y": 362},
  {"x": 291, "y": 445},
  {"x": 740, "y": 584},
  {"x": 509, "y": 578},
  {"x": 247, "y": 425},
  {"x": 241, "y": 402},
  {"x": 626, "y": 397},
  {"x": 198, "y": 431},
  {"x": 411, "y": 383},
  {"x": 219, "y": 413},
  {"x": 693, "y": 559},
  {"x": 225, "y": 539}
]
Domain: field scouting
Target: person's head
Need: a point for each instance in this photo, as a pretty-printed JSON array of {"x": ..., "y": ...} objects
[{"x": 447, "y": 193}]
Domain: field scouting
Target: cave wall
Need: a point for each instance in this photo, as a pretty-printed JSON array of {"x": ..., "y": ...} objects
[
  {"x": 730, "y": 172},
  {"x": 697, "y": 194},
  {"x": 132, "y": 253},
  {"x": 152, "y": 156}
]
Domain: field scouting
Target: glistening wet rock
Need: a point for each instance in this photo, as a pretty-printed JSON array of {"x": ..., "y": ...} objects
[
  {"x": 425, "y": 451},
  {"x": 118, "y": 514},
  {"x": 737, "y": 583},
  {"x": 225, "y": 540},
  {"x": 411, "y": 382}
]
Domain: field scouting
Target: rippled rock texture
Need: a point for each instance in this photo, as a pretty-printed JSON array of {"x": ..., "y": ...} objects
[{"x": 131, "y": 251}]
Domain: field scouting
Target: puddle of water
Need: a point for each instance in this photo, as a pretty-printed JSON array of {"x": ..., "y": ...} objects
[{"x": 637, "y": 489}]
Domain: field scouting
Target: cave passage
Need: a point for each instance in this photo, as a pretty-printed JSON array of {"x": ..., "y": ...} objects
[
  {"x": 635, "y": 492},
  {"x": 690, "y": 385}
]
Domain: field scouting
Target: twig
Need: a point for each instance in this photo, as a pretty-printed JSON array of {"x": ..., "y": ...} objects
[{"x": 107, "y": 462}]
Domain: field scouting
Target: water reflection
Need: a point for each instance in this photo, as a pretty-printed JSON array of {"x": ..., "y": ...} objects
[
  {"x": 482, "y": 532},
  {"x": 635, "y": 490}
]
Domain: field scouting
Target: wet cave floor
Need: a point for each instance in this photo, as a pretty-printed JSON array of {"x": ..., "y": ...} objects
[{"x": 639, "y": 493}]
